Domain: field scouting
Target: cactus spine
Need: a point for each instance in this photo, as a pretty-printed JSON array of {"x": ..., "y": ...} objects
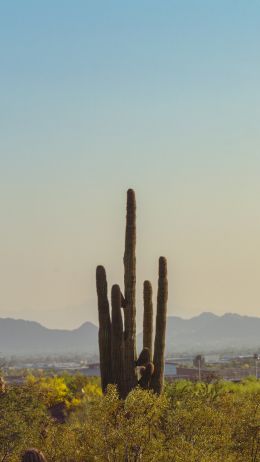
[{"x": 118, "y": 359}]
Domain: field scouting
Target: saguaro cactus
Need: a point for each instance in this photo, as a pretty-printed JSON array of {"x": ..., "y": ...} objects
[
  {"x": 33, "y": 455},
  {"x": 117, "y": 341},
  {"x": 148, "y": 317},
  {"x": 159, "y": 342},
  {"x": 104, "y": 333},
  {"x": 130, "y": 283},
  {"x": 118, "y": 358}
]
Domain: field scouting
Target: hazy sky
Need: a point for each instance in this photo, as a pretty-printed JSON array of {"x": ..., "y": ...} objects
[{"x": 98, "y": 96}]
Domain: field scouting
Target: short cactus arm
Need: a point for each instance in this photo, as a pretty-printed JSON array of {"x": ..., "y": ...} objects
[
  {"x": 159, "y": 343},
  {"x": 104, "y": 333},
  {"x": 146, "y": 376},
  {"x": 144, "y": 357},
  {"x": 117, "y": 341}
]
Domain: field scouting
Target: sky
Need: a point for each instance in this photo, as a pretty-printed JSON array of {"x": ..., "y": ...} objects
[{"x": 97, "y": 97}]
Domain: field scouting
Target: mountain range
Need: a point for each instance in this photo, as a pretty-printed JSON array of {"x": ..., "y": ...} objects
[{"x": 203, "y": 333}]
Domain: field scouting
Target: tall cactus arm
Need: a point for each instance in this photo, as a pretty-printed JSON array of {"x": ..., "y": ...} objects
[
  {"x": 148, "y": 317},
  {"x": 130, "y": 289},
  {"x": 159, "y": 343},
  {"x": 104, "y": 333},
  {"x": 117, "y": 341}
]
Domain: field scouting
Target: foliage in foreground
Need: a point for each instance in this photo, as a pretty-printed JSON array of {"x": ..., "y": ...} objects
[{"x": 188, "y": 423}]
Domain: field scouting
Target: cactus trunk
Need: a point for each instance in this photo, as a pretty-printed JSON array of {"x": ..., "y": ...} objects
[
  {"x": 104, "y": 333},
  {"x": 117, "y": 341},
  {"x": 130, "y": 283},
  {"x": 148, "y": 317},
  {"x": 159, "y": 343}
]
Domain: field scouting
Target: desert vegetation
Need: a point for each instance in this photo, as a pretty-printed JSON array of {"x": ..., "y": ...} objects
[
  {"x": 69, "y": 419},
  {"x": 131, "y": 415}
]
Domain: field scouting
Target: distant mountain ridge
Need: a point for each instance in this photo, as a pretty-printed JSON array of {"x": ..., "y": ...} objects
[
  {"x": 20, "y": 337},
  {"x": 205, "y": 332},
  {"x": 211, "y": 332}
]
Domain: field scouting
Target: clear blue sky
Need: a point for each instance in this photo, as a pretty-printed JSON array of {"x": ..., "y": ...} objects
[{"x": 96, "y": 97}]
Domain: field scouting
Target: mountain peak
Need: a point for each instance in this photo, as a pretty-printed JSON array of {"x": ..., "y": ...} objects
[{"x": 206, "y": 314}]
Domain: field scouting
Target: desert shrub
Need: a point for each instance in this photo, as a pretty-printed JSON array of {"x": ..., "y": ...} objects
[{"x": 189, "y": 422}]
